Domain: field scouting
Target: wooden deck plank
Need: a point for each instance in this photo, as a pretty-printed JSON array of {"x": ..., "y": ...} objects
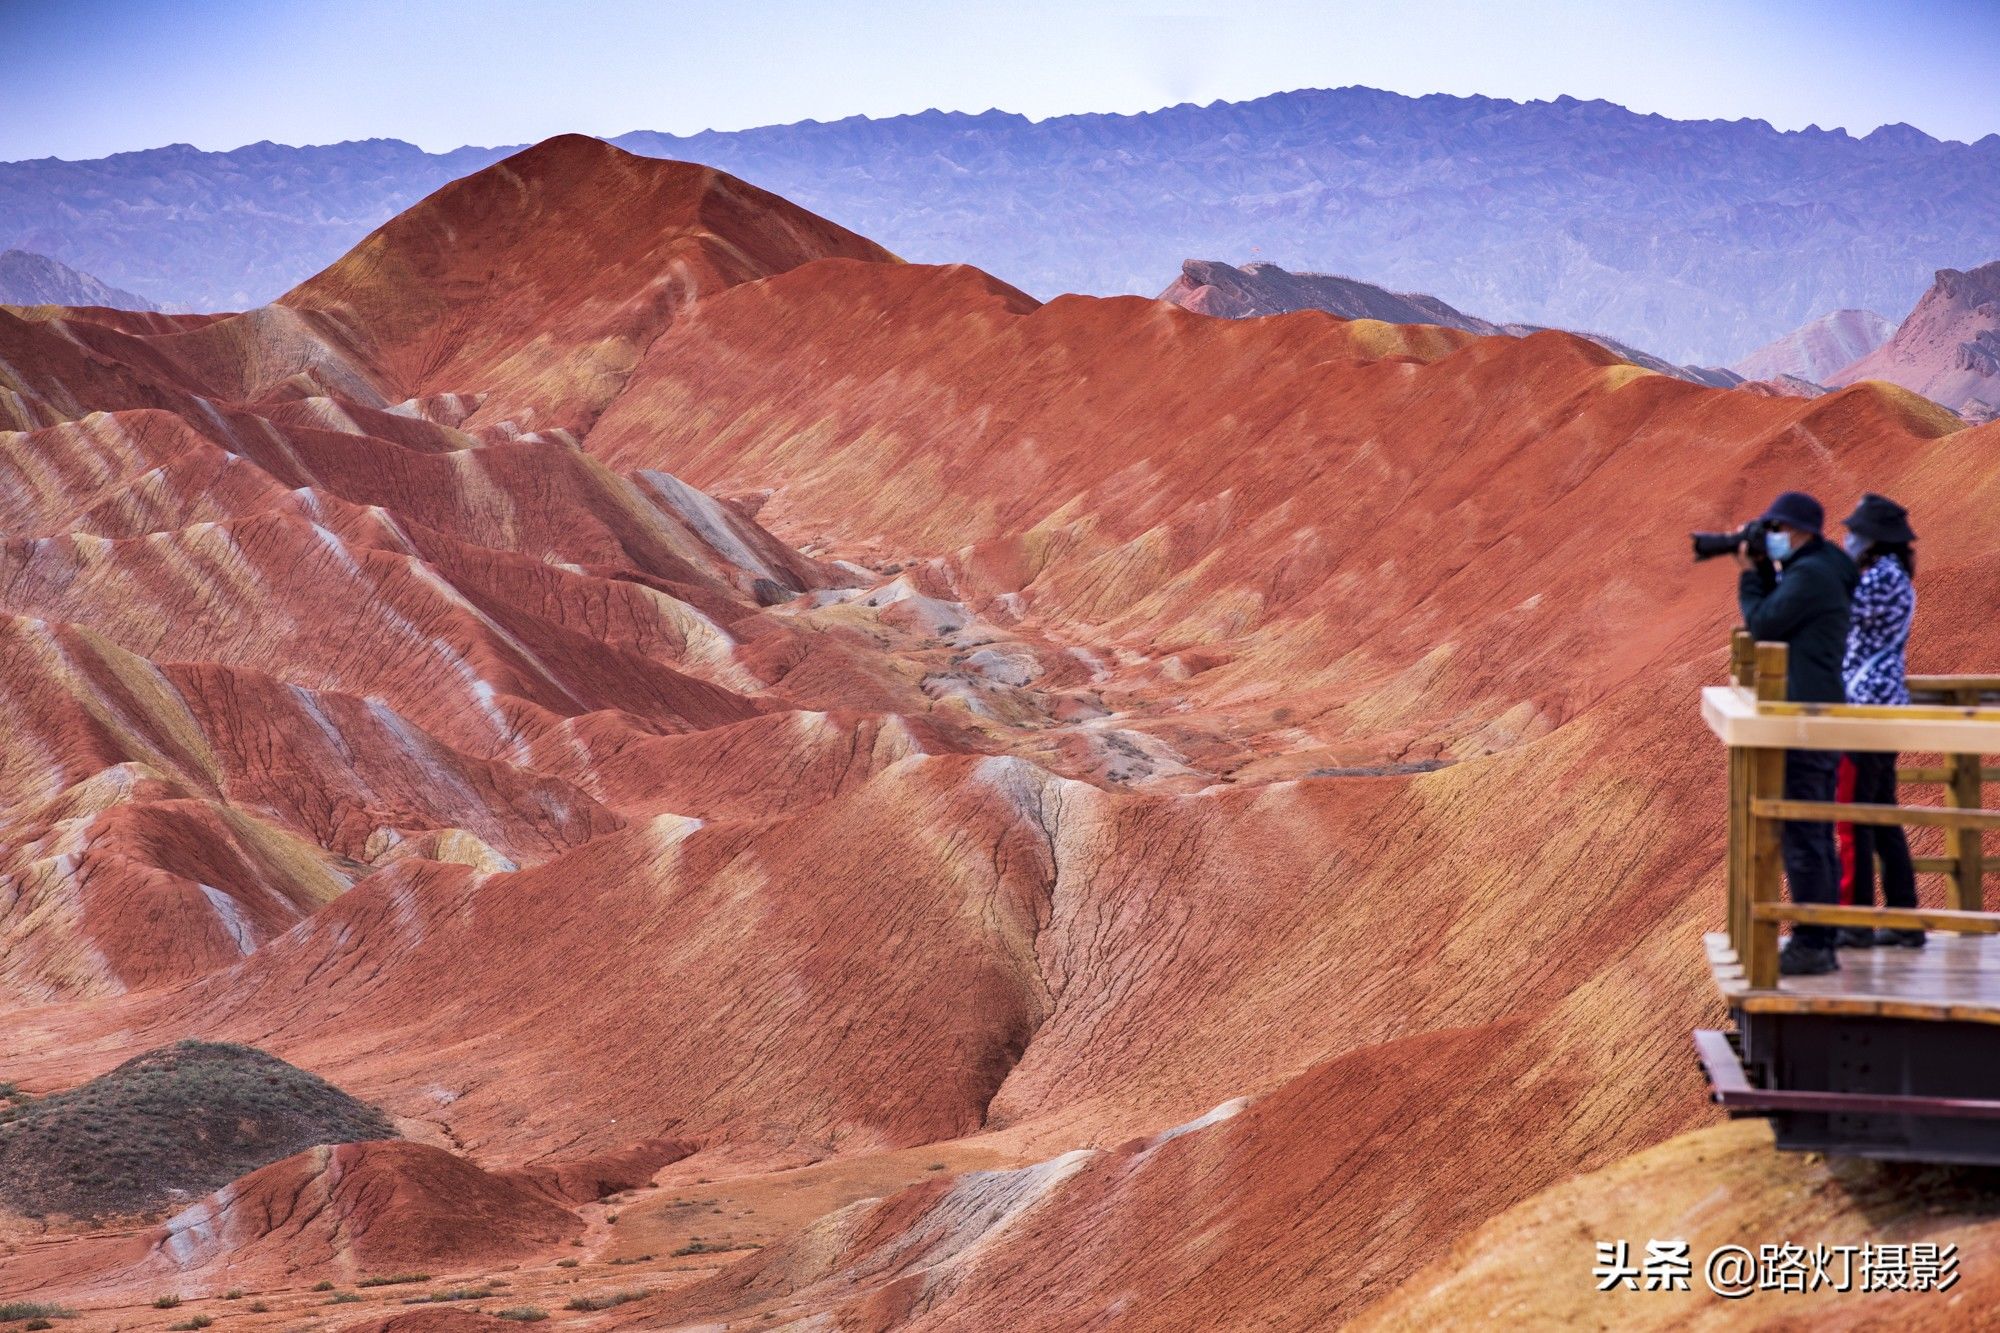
[{"x": 1954, "y": 978}]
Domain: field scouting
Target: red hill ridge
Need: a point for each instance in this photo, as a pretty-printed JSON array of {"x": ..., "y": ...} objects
[
  {"x": 954, "y": 809},
  {"x": 539, "y": 280}
]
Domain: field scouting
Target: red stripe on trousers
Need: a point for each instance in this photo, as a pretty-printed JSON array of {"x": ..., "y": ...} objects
[{"x": 1843, "y": 832}]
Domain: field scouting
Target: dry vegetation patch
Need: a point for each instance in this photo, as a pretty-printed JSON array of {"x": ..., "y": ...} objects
[{"x": 168, "y": 1126}]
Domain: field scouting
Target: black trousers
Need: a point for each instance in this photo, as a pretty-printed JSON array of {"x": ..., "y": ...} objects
[
  {"x": 1812, "y": 866},
  {"x": 1861, "y": 845}
]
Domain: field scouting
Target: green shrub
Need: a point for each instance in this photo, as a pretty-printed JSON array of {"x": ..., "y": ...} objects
[
  {"x": 607, "y": 1301},
  {"x": 187, "y": 1325},
  {"x": 450, "y": 1294},
  {"x": 566, "y": 1263},
  {"x": 233, "y": 1294},
  {"x": 526, "y": 1314},
  {"x": 343, "y": 1298},
  {"x": 258, "y": 1307},
  {"x": 394, "y": 1280},
  {"x": 165, "y": 1302},
  {"x": 322, "y": 1286},
  {"x": 700, "y": 1246},
  {"x": 12, "y": 1310}
]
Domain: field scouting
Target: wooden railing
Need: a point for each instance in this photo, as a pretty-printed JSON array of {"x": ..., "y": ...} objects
[{"x": 1957, "y": 717}]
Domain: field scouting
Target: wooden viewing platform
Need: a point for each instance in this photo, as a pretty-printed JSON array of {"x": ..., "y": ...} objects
[{"x": 1897, "y": 1054}]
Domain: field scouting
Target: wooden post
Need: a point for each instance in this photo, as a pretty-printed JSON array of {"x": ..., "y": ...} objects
[
  {"x": 1742, "y": 767},
  {"x": 1966, "y": 790},
  {"x": 1765, "y": 867},
  {"x": 1742, "y": 772},
  {"x": 1742, "y": 659}
]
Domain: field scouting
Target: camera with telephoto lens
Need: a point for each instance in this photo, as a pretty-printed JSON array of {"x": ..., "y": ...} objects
[{"x": 1709, "y": 545}]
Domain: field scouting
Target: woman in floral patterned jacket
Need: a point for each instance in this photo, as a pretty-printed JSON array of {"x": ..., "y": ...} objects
[{"x": 1879, "y": 538}]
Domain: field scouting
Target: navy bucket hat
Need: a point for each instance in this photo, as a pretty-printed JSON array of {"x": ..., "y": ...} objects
[
  {"x": 1879, "y": 519},
  {"x": 1797, "y": 509}
]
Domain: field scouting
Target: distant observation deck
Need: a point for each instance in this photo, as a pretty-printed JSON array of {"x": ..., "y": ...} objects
[{"x": 1897, "y": 1054}]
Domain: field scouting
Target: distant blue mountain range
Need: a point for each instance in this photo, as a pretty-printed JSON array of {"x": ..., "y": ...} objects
[{"x": 1698, "y": 240}]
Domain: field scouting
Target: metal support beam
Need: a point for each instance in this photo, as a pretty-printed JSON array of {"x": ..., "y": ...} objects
[{"x": 1732, "y": 1090}]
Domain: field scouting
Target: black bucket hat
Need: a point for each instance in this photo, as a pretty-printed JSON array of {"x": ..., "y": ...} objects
[
  {"x": 1879, "y": 519},
  {"x": 1797, "y": 509}
]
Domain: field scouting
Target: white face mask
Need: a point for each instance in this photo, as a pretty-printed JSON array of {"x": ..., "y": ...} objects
[{"x": 1855, "y": 545}]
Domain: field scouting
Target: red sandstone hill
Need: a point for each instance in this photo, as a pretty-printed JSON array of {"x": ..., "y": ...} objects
[
  {"x": 542, "y": 278},
  {"x": 1949, "y": 347},
  {"x": 1051, "y": 807},
  {"x": 337, "y": 1215}
]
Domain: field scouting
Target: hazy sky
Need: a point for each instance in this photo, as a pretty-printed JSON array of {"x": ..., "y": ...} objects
[{"x": 87, "y": 77}]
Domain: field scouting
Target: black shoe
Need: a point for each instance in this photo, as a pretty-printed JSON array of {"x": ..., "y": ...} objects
[
  {"x": 1900, "y": 939},
  {"x": 1806, "y": 960},
  {"x": 1855, "y": 937}
]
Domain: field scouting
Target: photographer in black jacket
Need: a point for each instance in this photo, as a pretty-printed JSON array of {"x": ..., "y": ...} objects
[{"x": 1796, "y": 591}]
